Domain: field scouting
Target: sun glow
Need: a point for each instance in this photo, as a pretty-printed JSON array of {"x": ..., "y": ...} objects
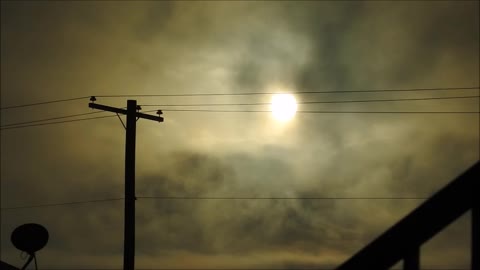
[{"x": 284, "y": 107}]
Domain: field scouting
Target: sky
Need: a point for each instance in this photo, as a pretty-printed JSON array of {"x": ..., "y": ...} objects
[{"x": 53, "y": 50}]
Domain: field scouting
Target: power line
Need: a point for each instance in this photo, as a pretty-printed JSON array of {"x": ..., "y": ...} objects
[
  {"x": 41, "y": 103},
  {"x": 20, "y": 124},
  {"x": 228, "y": 104},
  {"x": 16, "y": 126},
  {"x": 276, "y": 198},
  {"x": 212, "y": 198},
  {"x": 311, "y": 102},
  {"x": 325, "y": 112},
  {"x": 49, "y": 119},
  {"x": 244, "y": 94},
  {"x": 238, "y": 104},
  {"x": 297, "y": 92},
  {"x": 57, "y": 122},
  {"x": 60, "y": 204}
]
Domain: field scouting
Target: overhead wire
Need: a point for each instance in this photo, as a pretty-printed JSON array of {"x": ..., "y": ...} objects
[
  {"x": 248, "y": 104},
  {"x": 275, "y": 198},
  {"x": 25, "y": 124},
  {"x": 231, "y": 198},
  {"x": 244, "y": 94},
  {"x": 53, "y": 123},
  {"x": 295, "y": 92},
  {"x": 13, "y": 126},
  {"x": 38, "y": 122},
  {"x": 310, "y": 102},
  {"x": 325, "y": 112},
  {"x": 60, "y": 204},
  {"x": 42, "y": 103},
  {"x": 53, "y": 118}
]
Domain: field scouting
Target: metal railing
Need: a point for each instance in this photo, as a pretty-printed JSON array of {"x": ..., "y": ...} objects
[{"x": 404, "y": 240}]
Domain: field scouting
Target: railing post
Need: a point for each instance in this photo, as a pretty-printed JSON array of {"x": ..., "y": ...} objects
[
  {"x": 475, "y": 237},
  {"x": 412, "y": 259},
  {"x": 404, "y": 239}
]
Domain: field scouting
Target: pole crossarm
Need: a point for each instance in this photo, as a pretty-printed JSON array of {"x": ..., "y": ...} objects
[{"x": 123, "y": 111}]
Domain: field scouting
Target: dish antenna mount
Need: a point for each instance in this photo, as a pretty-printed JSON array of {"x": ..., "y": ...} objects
[{"x": 29, "y": 238}]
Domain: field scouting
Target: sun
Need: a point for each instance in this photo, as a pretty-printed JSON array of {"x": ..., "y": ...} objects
[{"x": 284, "y": 107}]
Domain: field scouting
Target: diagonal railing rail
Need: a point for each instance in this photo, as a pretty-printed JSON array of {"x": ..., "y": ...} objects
[{"x": 404, "y": 240}]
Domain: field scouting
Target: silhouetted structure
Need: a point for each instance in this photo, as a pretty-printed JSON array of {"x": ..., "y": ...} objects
[
  {"x": 404, "y": 239},
  {"x": 132, "y": 116},
  {"x": 6, "y": 266},
  {"x": 29, "y": 238}
]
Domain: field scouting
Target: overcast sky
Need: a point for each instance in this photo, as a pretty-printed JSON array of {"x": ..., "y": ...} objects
[{"x": 59, "y": 50}]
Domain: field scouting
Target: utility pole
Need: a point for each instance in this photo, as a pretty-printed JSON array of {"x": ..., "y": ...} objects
[{"x": 129, "y": 219}]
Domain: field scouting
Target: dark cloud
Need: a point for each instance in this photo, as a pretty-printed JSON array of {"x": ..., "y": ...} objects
[
  {"x": 156, "y": 20},
  {"x": 327, "y": 67}
]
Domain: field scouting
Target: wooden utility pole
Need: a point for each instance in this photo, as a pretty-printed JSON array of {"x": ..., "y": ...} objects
[{"x": 129, "y": 219}]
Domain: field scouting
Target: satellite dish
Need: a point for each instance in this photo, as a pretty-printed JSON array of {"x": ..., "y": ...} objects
[{"x": 29, "y": 237}]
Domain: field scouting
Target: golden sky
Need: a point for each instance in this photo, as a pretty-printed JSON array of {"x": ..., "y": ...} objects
[{"x": 59, "y": 49}]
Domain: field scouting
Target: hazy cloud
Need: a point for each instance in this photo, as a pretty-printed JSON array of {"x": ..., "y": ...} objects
[{"x": 55, "y": 50}]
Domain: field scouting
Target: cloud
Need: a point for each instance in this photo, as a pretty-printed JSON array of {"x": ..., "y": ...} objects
[{"x": 52, "y": 50}]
